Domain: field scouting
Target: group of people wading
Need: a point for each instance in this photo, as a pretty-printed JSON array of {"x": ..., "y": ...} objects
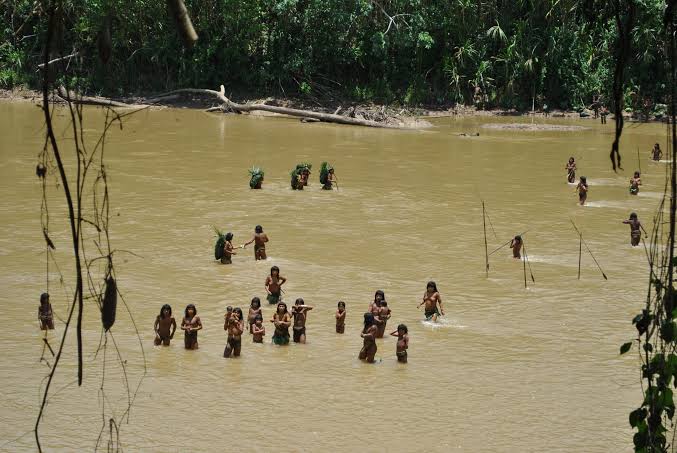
[
  {"x": 300, "y": 176},
  {"x": 236, "y": 324},
  {"x": 582, "y": 189}
]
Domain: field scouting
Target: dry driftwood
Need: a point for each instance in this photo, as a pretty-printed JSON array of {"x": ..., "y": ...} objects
[{"x": 325, "y": 117}]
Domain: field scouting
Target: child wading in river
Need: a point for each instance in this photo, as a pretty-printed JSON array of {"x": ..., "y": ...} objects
[
  {"x": 516, "y": 246},
  {"x": 300, "y": 313},
  {"x": 282, "y": 321},
  {"x": 635, "y": 182},
  {"x": 402, "y": 342},
  {"x": 254, "y": 311},
  {"x": 165, "y": 326},
  {"x": 571, "y": 170},
  {"x": 258, "y": 330},
  {"x": 234, "y": 324},
  {"x": 341, "y": 317},
  {"x": 431, "y": 300}
]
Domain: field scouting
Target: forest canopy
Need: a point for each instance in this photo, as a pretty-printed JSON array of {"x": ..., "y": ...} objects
[{"x": 495, "y": 53}]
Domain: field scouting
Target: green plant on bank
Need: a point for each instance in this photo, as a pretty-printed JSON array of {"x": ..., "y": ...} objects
[{"x": 408, "y": 51}]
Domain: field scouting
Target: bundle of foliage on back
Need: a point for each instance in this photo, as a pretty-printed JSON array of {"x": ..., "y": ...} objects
[
  {"x": 296, "y": 183},
  {"x": 256, "y": 179},
  {"x": 220, "y": 244},
  {"x": 324, "y": 173},
  {"x": 487, "y": 52}
]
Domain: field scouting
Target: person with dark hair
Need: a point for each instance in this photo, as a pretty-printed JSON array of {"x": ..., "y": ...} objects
[
  {"x": 340, "y": 317},
  {"x": 582, "y": 189},
  {"x": 165, "y": 326},
  {"x": 254, "y": 311},
  {"x": 571, "y": 170},
  {"x": 234, "y": 325},
  {"x": 378, "y": 297},
  {"x": 258, "y": 330},
  {"x": 516, "y": 246},
  {"x": 656, "y": 153},
  {"x": 260, "y": 238},
  {"x": 45, "y": 314},
  {"x": 282, "y": 321},
  {"x": 382, "y": 318},
  {"x": 300, "y": 314},
  {"x": 402, "y": 342},
  {"x": 228, "y": 250},
  {"x": 431, "y": 300},
  {"x": 368, "y": 351},
  {"x": 636, "y": 229},
  {"x": 190, "y": 325},
  {"x": 274, "y": 284},
  {"x": 635, "y": 182}
]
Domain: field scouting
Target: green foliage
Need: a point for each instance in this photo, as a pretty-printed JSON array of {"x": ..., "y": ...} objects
[{"x": 402, "y": 50}]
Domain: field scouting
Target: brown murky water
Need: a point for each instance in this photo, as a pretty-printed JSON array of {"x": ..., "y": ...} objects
[{"x": 507, "y": 369}]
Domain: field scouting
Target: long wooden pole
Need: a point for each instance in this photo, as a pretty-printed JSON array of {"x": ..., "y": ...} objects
[{"x": 580, "y": 251}]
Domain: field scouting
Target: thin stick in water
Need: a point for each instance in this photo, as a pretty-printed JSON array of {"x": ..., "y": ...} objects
[{"x": 486, "y": 249}]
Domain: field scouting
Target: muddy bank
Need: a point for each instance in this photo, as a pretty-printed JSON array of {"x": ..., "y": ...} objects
[{"x": 393, "y": 114}]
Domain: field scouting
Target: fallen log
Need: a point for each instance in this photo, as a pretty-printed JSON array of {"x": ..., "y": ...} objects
[
  {"x": 324, "y": 117},
  {"x": 76, "y": 98}
]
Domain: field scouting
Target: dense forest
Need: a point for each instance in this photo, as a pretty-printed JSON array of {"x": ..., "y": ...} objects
[{"x": 495, "y": 53}]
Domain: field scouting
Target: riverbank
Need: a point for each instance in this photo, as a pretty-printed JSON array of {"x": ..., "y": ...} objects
[{"x": 406, "y": 115}]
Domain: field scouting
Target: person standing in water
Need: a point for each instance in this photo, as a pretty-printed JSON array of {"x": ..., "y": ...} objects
[
  {"x": 431, "y": 300},
  {"x": 635, "y": 182},
  {"x": 260, "y": 238},
  {"x": 340, "y": 317},
  {"x": 165, "y": 326},
  {"x": 228, "y": 250},
  {"x": 378, "y": 297},
  {"x": 258, "y": 330},
  {"x": 582, "y": 189},
  {"x": 300, "y": 313},
  {"x": 281, "y": 320},
  {"x": 516, "y": 246},
  {"x": 656, "y": 153},
  {"x": 254, "y": 311},
  {"x": 368, "y": 351},
  {"x": 45, "y": 314},
  {"x": 274, "y": 284},
  {"x": 635, "y": 226},
  {"x": 190, "y": 325},
  {"x": 402, "y": 342},
  {"x": 234, "y": 325},
  {"x": 571, "y": 170},
  {"x": 383, "y": 317}
]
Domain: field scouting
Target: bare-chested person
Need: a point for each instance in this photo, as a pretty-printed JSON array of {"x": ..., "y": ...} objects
[
  {"x": 190, "y": 325},
  {"x": 635, "y": 182},
  {"x": 234, "y": 324},
  {"x": 254, "y": 311},
  {"x": 635, "y": 227},
  {"x": 516, "y": 246},
  {"x": 165, "y": 326},
  {"x": 402, "y": 342},
  {"x": 274, "y": 284},
  {"x": 582, "y": 189},
  {"x": 378, "y": 297},
  {"x": 431, "y": 300},
  {"x": 258, "y": 330},
  {"x": 228, "y": 250},
  {"x": 282, "y": 321},
  {"x": 368, "y": 351},
  {"x": 571, "y": 170},
  {"x": 656, "y": 153},
  {"x": 300, "y": 313},
  {"x": 340, "y": 317},
  {"x": 260, "y": 238},
  {"x": 383, "y": 317},
  {"x": 45, "y": 314}
]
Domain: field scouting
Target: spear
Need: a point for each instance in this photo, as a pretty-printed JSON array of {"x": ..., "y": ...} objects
[{"x": 588, "y": 249}]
